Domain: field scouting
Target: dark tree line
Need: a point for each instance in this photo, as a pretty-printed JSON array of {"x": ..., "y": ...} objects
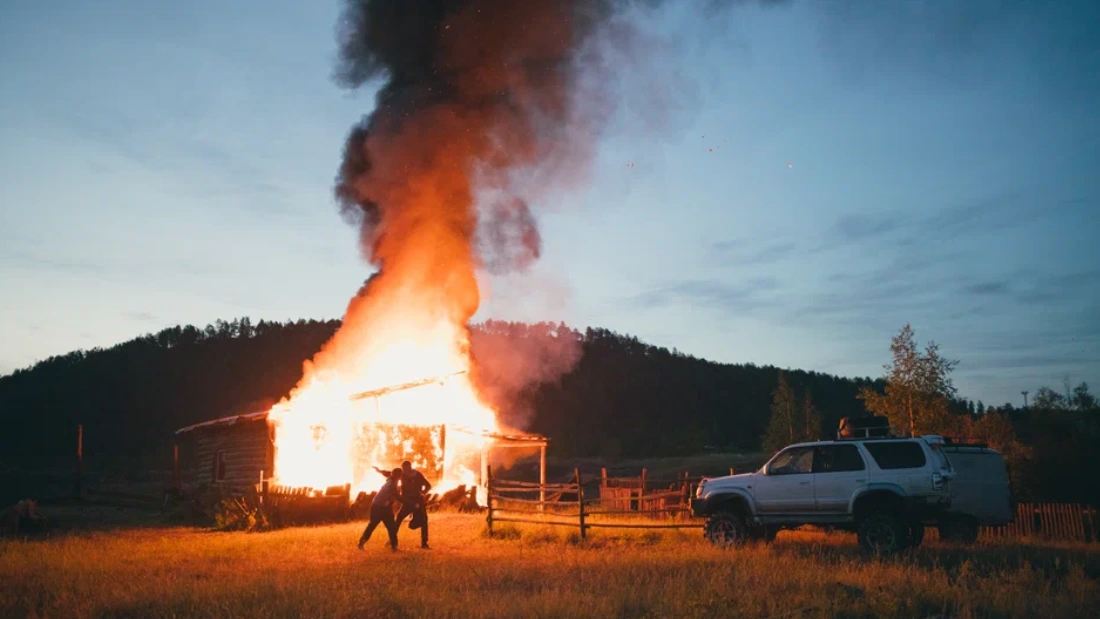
[
  {"x": 132, "y": 396},
  {"x": 595, "y": 393},
  {"x": 617, "y": 397},
  {"x": 627, "y": 398}
]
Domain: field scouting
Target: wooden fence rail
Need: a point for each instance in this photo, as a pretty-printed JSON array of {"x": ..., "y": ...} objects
[{"x": 667, "y": 503}]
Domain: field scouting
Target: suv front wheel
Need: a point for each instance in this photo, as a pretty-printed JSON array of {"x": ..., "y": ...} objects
[
  {"x": 726, "y": 529},
  {"x": 883, "y": 532}
]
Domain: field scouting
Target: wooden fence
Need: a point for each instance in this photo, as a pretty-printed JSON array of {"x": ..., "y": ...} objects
[
  {"x": 289, "y": 505},
  {"x": 646, "y": 496},
  {"x": 566, "y": 505},
  {"x": 1070, "y": 522}
]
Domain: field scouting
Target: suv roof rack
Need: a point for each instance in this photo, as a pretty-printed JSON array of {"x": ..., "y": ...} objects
[
  {"x": 957, "y": 441},
  {"x": 887, "y": 437}
]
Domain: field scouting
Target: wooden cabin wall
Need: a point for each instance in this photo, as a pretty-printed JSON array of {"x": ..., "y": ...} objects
[{"x": 247, "y": 447}]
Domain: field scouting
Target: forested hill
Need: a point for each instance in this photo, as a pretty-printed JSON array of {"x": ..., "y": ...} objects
[{"x": 620, "y": 397}]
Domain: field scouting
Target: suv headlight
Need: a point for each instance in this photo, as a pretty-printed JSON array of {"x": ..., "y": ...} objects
[{"x": 699, "y": 488}]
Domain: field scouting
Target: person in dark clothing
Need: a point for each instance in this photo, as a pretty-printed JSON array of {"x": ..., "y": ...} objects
[
  {"x": 381, "y": 509},
  {"x": 414, "y": 490}
]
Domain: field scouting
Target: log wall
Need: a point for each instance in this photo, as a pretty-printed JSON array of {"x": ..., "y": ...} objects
[{"x": 247, "y": 449}]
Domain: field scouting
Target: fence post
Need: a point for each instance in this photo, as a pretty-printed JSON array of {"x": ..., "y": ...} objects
[
  {"x": 641, "y": 493},
  {"x": 685, "y": 499},
  {"x": 489, "y": 498},
  {"x": 79, "y": 460},
  {"x": 580, "y": 499},
  {"x": 176, "y": 466},
  {"x": 542, "y": 477}
]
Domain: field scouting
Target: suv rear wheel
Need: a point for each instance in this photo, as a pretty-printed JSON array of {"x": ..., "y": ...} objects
[
  {"x": 726, "y": 529},
  {"x": 883, "y": 532}
]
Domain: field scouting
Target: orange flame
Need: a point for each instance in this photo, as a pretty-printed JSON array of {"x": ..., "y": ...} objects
[{"x": 325, "y": 438}]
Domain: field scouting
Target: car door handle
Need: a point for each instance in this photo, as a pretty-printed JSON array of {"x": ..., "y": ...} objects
[{"x": 803, "y": 483}]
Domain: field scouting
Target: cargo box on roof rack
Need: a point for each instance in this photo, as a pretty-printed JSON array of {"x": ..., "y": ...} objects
[{"x": 864, "y": 427}]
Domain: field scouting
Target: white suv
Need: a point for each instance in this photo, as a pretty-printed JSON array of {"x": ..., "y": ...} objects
[{"x": 885, "y": 489}]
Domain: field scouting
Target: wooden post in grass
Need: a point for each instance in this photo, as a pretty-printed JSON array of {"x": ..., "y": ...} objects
[
  {"x": 176, "y": 466},
  {"x": 580, "y": 500},
  {"x": 641, "y": 493},
  {"x": 79, "y": 461},
  {"x": 542, "y": 477},
  {"x": 731, "y": 470},
  {"x": 685, "y": 495},
  {"x": 489, "y": 498}
]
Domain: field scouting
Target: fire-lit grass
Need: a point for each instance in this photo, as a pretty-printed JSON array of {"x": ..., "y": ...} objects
[{"x": 538, "y": 572}]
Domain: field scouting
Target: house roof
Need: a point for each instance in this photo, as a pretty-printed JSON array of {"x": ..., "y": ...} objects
[
  {"x": 502, "y": 439},
  {"x": 225, "y": 421}
]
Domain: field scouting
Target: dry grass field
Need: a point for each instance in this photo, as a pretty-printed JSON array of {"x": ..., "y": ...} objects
[{"x": 529, "y": 572}]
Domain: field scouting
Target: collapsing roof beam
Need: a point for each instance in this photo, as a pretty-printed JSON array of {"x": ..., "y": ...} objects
[{"x": 416, "y": 383}]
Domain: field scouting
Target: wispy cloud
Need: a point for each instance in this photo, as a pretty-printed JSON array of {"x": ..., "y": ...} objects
[
  {"x": 858, "y": 228},
  {"x": 142, "y": 316},
  {"x": 713, "y": 293},
  {"x": 745, "y": 252}
]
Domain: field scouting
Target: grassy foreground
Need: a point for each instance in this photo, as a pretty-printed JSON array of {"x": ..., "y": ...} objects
[{"x": 530, "y": 572}]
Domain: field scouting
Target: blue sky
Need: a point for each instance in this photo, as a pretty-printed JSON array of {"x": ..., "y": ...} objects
[{"x": 167, "y": 163}]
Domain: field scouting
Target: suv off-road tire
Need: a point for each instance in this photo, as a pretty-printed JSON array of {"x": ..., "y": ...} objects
[
  {"x": 726, "y": 529},
  {"x": 961, "y": 530},
  {"x": 883, "y": 532}
]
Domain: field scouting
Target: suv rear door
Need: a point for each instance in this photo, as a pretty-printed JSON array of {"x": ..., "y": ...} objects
[{"x": 839, "y": 471}]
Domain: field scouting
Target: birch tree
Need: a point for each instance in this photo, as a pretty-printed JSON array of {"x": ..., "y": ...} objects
[
  {"x": 918, "y": 386},
  {"x": 784, "y": 425}
]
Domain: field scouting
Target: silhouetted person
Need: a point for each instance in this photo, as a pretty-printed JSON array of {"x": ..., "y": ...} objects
[
  {"x": 381, "y": 510},
  {"x": 414, "y": 489},
  {"x": 413, "y": 500}
]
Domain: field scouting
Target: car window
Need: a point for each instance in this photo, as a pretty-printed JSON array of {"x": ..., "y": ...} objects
[
  {"x": 896, "y": 454},
  {"x": 837, "y": 458},
  {"x": 945, "y": 463},
  {"x": 792, "y": 462}
]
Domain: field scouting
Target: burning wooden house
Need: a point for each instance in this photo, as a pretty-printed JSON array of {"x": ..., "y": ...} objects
[{"x": 240, "y": 451}]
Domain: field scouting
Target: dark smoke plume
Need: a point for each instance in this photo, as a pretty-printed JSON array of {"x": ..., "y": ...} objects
[{"x": 478, "y": 100}]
